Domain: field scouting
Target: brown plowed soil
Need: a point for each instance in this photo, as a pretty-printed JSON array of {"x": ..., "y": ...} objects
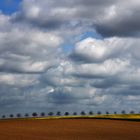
[{"x": 69, "y": 129}]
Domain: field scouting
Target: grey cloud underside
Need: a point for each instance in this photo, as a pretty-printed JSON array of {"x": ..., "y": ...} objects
[
  {"x": 109, "y": 18},
  {"x": 36, "y": 74},
  {"x": 123, "y": 26}
]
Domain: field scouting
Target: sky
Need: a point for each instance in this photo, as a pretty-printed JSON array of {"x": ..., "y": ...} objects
[{"x": 71, "y": 56}]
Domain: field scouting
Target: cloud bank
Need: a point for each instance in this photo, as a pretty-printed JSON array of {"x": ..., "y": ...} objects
[{"x": 36, "y": 74}]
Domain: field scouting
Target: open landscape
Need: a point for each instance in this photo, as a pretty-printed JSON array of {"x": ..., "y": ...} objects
[
  {"x": 69, "y": 69},
  {"x": 67, "y": 128}
]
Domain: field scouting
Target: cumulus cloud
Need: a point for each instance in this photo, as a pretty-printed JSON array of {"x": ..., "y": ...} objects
[
  {"x": 24, "y": 50},
  {"x": 37, "y": 74},
  {"x": 121, "y": 20},
  {"x": 92, "y": 50},
  {"x": 110, "y": 18}
]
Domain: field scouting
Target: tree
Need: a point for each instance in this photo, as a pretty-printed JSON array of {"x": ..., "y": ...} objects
[
  {"x": 74, "y": 113},
  {"x": 90, "y": 113},
  {"x": 123, "y": 112},
  {"x": 18, "y": 115},
  {"x": 99, "y": 112},
  {"x": 11, "y": 115},
  {"x": 132, "y": 112},
  {"x": 26, "y": 115},
  {"x": 34, "y": 114},
  {"x": 42, "y": 114},
  {"x": 115, "y": 112},
  {"x": 3, "y": 116},
  {"x": 83, "y": 113},
  {"x": 58, "y": 113},
  {"x": 50, "y": 113},
  {"x": 107, "y": 113},
  {"x": 66, "y": 113}
]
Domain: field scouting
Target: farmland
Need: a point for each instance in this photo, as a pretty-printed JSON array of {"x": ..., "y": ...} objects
[{"x": 69, "y": 129}]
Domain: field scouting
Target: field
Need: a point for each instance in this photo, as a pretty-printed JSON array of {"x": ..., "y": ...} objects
[{"x": 69, "y": 129}]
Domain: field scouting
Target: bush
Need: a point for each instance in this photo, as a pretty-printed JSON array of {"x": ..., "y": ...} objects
[
  {"x": 83, "y": 113},
  {"x": 42, "y": 114},
  {"x": 50, "y": 113},
  {"x": 66, "y": 113},
  {"x": 34, "y": 114}
]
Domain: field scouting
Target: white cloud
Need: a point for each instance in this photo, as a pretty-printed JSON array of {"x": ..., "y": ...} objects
[
  {"x": 91, "y": 48},
  {"x": 35, "y": 73},
  {"x": 18, "y": 80},
  {"x": 108, "y": 17},
  {"x": 33, "y": 12},
  {"x": 108, "y": 68},
  {"x": 28, "y": 50}
]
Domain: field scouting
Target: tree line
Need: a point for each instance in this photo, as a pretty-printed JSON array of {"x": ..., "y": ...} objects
[{"x": 59, "y": 113}]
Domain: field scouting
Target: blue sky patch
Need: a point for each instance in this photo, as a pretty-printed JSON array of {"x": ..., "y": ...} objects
[
  {"x": 8, "y": 7},
  {"x": 67, "y": 47},
  {"x": 91, "y": 34}
]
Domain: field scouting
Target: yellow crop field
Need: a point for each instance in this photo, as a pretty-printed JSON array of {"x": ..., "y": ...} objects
[{"x": 111, "y": 116}]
